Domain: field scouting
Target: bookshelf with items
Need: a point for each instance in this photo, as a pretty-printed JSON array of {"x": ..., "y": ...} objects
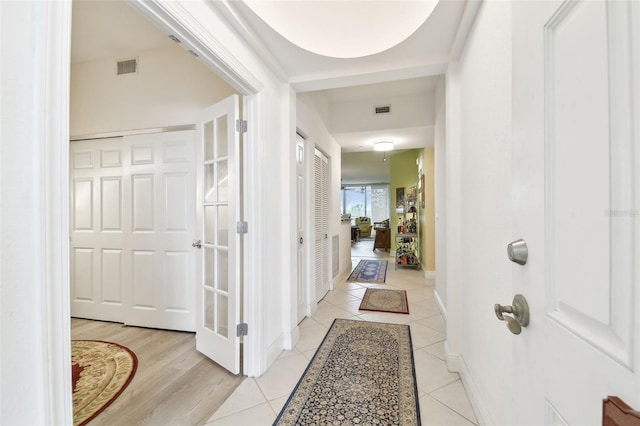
[{"x": 407, "y": 236}]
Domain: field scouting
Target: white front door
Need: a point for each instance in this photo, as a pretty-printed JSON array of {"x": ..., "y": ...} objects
[
  {"x": 132, "y": 221},
  {"x": 218, "y": 212},
  {"x": 301, "y": 215},
  {"x": 576, "y": 195}
]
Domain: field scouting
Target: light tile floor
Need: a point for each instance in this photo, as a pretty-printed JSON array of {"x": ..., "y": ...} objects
[{"x": 443, "y": 399}]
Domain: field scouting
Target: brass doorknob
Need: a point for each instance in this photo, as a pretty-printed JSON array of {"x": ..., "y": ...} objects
[{"x": 519, "y": 308}]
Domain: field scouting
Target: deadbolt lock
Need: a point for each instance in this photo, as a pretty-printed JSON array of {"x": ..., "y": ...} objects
[{"x": 518, "y": 252}]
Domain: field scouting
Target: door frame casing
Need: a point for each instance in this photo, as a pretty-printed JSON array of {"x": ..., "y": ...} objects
[
  {"x": 52, "y": 124},
  {"x": 174, "y": 18}
]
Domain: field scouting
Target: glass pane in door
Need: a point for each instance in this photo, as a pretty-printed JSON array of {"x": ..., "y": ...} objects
[
  {"x": 222, "y": 272},
  {"x": 209, "y": 309},
  {"x": 209, "y": 267},
  {"x": 222, "y": 304},
  {"x": 223, "y": 226},
  {"x": 223, "y": 181},
  {"x": 221, "y": 135},
  {"x": 209, "y": 183},
  {"x": 210, "y": 225},
  {"x": 208, "y": 141}
]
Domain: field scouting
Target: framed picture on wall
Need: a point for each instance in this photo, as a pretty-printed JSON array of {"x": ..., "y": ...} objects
[
  {"x": 422, "y": 191},
  {"x": 411, "y": 193},
  {"x": 400, "y": 200}
]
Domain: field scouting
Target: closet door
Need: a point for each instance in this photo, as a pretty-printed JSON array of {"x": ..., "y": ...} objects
[
  {"x": 97, "y": 229},
  {"x": 132, "y": 222},
  {"x": 321, "y": 210},
  {"x": 160, "y": 223}
]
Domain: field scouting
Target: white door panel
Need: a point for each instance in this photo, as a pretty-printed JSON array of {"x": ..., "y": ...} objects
[
  {"x": 321, "y": 218},
  {"x": 96, "y": 215},
  {"x": 162, "y": 221},
  {"x": 218, "y": 274},
  {"x": 575, "y": 202},
  {"x": 301, "y": 214},
  {"x": 132, "y": 223}
]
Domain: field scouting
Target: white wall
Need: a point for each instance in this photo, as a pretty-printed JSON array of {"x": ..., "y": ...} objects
[
  {"x": 35, "y": 372},
  {"x": 171, "y": 88},
  {"x": 479, "y": 130},
  {"x": 440, "y": 189}
]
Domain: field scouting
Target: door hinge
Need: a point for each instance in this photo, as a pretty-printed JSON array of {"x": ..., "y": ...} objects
[
  {"x": 242, "y": 227},
  {"x": 242, "y": 329},
  {"x": 241, "y": 126}
]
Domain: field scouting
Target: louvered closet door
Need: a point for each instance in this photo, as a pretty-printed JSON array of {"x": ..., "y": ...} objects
[{"x": 321, "y": 210}]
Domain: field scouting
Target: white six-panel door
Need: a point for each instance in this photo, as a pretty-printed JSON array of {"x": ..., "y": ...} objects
[
  {"x": 132, "y": 223},
  {"x": 576, "y": 187}
]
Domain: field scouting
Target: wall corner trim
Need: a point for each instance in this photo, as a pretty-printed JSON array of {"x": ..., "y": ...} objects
[
  {"x": 440, "y": 304},
  {"x": 430, "y": 275},
  {"x": 456, "y": 363}
]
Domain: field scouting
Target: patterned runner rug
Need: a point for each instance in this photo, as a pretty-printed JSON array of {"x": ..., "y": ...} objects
[
  {"x": 362, "y": 373},
  {"x": 100, "y": 372},
  {"x": 370, "y": 271},
  {"x": 381, "y": 300}
]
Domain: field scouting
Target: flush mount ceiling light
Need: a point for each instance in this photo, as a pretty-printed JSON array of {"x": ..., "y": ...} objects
[
  {"x": 343, "y": 28},
  {"x": 383, "y": 145}
]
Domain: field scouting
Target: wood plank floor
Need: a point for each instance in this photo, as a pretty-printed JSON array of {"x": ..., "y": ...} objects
[{"x": 174, "y": 384}]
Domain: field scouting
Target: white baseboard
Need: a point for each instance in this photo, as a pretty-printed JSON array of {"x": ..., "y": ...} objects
[
  {"x": 290, "y": 340},
  {"x": 456, "y": 363},
  {"x": 274, "y": 351},
  {"x": 440, "y": 305},
  {"x": 430, "y": 275},
  {"x": 452, "y": 359},
  {"x": 341, "y": 277}
]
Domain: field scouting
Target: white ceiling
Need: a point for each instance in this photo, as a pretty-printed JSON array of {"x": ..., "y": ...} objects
[
  {"x": 426, "y": 52},
  {"x": 113, "y": 29},
  {"x": 107, "y": 29}
]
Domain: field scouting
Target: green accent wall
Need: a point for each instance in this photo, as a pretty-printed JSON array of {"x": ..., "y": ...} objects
[
  {"x": 403, "y": 174},
  {"x": 404, "y": 171}
]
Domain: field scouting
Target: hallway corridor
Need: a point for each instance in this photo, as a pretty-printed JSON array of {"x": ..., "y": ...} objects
[{"x": 443, "y": 400}]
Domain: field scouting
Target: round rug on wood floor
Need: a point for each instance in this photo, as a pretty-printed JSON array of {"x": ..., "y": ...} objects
[{"x": 100, "y": 372}]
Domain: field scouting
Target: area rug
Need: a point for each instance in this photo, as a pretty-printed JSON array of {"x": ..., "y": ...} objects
[
  {"x": 362, "y": 373},
  {"x": 376, "y": 299},
  {"x": 371, "y": 271},
  {"x": 100, "y": 372}
]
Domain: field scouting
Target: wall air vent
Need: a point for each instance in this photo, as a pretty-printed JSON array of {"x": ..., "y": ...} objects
[
  {"x": 174, "y": 38},
  {"x": 383, "y": 109},
  {"x": 128, "y": 66}
]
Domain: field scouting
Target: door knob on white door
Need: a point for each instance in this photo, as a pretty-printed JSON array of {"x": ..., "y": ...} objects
[{"x": 520, "y": 310}]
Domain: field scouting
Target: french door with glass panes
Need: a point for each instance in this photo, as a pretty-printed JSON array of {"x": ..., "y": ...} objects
[{"x": 218, "y": 312}]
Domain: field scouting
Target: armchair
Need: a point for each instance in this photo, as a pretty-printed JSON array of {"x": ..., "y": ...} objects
[{"x": 364, "y": 223}]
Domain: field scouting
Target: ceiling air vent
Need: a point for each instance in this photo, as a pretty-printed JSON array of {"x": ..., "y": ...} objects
[
  {"x": 383, "y": 109},
  {"x": 128, "y": 66}
]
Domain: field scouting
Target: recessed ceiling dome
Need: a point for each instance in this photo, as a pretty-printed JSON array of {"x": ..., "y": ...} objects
[{"x": 343, "y": 28}]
